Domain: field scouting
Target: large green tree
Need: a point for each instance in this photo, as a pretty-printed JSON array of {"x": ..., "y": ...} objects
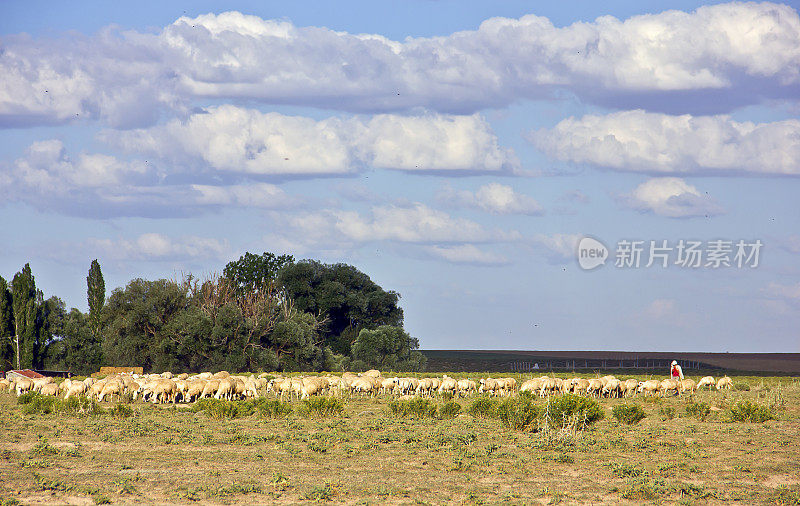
[
  {"x": 387, "y": 348},
  {"x": 96, "y": 296},
  {"x": 252, "y": 273},
  {"x": 25, "y": 304},
  {"x": 6, "y": 326},
  {"x": 346, "y": 299}
]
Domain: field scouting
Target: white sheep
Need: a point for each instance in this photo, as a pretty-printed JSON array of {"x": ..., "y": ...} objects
[
  {"x": 706, "y": 381},
  {"x": 724, "y": 382}
]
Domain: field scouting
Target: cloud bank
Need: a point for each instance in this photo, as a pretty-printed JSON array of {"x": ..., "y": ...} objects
[{"x": 737, "y": 53}]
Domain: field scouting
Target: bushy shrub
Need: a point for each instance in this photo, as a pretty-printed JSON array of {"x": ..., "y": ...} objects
[
  {"x": 320, "y": 407},
  {"x": 746, "y": 411},
  {"x": 121, "y": 411},
  {"x": 80, "y": 406},
  {"x": 414, "y": 408},
  {"x": 628, "y": 413},
  {"x": 33, "y": 403},
  {"x": 699, "y": 410},
  {"x": 273, "y": 408},
  {"x": 741, "y": 386},
  {"x": 666, "y": 413},
  {"x": 569, "y": 409},
  {"x": 216, "y": 408},
  {"x": 517, "y": 412},
  {"x": 483, "y": 407},
  {"x": 449, "y": 410}
]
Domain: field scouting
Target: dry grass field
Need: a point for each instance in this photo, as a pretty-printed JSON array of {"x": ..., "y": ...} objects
[{"x": 151, "y": 454}]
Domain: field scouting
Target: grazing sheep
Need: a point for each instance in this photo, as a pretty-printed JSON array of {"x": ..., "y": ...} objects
[
  {"x": 210, "y": 388},
  {"x": 38, "y": 383},
  {"x": 629, "y": 388},
  {"x": 612, "y": 388},
  {"x": 581, "y": 387},
  {"x": 226, "y": 388},
  {"x": 688, "y": 384},
  {"x": 548, "y": 386},
  {"x": 165, "y": 390},
  {"x": 75, "y": 388},
  {"x": 595, "y": 387},
  {"x": 668, "y": 385},
  {"x": 706, "y": 381},
  {"x": 531, "y": 385},
  {"x": 649, "y": 386},
  {"x": 221, "y": 374},
  {"x": 49, "y": 389},
  {"x": 5, "y": 385},
  {"x": 425, "y": 386},
  {"x": 374, "y": 373},
  {"x": 466, "y": 386},
  {"x": 724, "y": 382},
  {"x": 388, "y": 385},
  {"x": 193, "y": 390},
  {"x": 23, "y": 385},
  {"x": 489, "y": 385},
  {"x": 110, "y": 389},
  {"x": 183, "y": 376},
  {"x": 448, "y": 385}
]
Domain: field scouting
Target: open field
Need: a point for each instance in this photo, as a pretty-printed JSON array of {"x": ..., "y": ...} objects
[{"x": 170, "y": 454}]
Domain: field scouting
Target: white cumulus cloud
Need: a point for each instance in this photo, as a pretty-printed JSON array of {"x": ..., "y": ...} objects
[
  {"x": 671, "y": 197},
  {"x": 492, "y": 198},
  {"x": 237, "y": 140},
  {"x": 639, "y": 141},
  {"x": 744, "y": 51}
]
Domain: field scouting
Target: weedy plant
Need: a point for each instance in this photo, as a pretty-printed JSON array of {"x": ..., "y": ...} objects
[
  {"x": 483, "y": 407},
  {"x": 628, "y": 413},
  {"x": 413, "y": 408},
  {"x": 517, "y": 413},
  {"x": 699, "y": 410},
  {"x": 449, "y": 410},
  {"x": 321, "y": 407},
  {"x": 746, "y": 411}
]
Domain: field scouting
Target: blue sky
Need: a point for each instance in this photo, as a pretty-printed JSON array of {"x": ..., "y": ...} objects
[{"x": 456, "y": 152}]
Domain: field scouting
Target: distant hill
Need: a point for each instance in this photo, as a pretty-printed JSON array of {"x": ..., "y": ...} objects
[{"x": 521, "y": 361}]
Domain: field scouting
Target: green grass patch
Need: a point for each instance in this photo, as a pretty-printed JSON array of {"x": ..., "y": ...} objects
[{"x": 413, "y": 408}]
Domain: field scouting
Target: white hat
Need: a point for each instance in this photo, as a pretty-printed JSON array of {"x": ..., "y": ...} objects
[{"x": 674, "y": 362}]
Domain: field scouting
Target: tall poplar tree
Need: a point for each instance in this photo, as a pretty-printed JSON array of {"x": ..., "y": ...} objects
[{"x": 96, "y": 295}]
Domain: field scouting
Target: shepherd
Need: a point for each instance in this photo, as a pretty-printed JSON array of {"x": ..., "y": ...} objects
[{"x": 676, "y": 372}]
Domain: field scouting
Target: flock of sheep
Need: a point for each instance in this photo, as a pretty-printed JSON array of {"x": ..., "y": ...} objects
[{"x": 166, "y": 387}]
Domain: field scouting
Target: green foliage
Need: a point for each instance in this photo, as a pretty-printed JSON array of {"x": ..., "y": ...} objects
[
  {"x": 625, "y": 470},
  {"x": 387, "y": 348},
  {"x": 449, "y": 410},
  {"x": 741, "y": 386},
  {"x": 252, "y": 273},
  {"x": 484, "y": 407},
  {"x": 321, "y": 407},
  {"x": 628, "y": 413},
  {"x": 273, "y": 408},
  {"x": 517, "y": 413},
  {"x": 96, "y": 296},
  {"x": 7, "y": 353},
  {"x": 746, "y": 411},
  {"x": 413, "y": 408},
  {"x": 566, "y": 409},
  {"x": 217, "y": 409},
  {"x": 121, "y": 411},
  {"x": 699, "y": 410},
  {"x": 348, "y": 299},
  {"x": 35, "y": 403},
  {"x": 666, "y": 413}
]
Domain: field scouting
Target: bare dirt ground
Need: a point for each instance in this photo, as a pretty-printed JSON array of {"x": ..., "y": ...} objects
[{"x": 172, "y": 455}]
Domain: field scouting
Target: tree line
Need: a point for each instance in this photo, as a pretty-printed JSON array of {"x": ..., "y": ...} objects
[{"x": 264, "y": 312}]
